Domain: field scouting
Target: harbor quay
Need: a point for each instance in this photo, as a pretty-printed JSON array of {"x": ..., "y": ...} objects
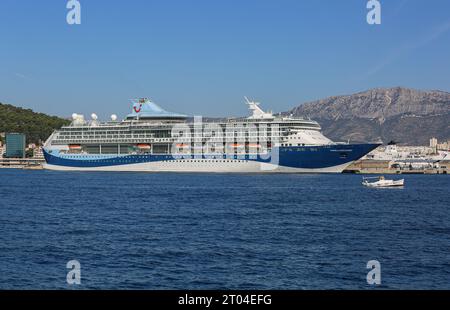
[
  {"x": 22, "y": 163},
  {"x": 370, "y": 166},
  {"x": 394, "y": 159}
]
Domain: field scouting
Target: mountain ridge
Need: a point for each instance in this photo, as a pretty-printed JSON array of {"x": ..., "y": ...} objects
[{"x": 405, "y": 115}]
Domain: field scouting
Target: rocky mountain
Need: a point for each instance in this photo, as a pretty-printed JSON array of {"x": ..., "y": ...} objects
[{"x": 404, "y": 115}]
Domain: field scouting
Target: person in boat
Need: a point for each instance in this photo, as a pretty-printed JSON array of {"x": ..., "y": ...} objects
[{"x": 381, "y": 178}]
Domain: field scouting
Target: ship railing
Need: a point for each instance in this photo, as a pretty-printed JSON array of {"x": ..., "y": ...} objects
[{"x": 198, "y": 136}]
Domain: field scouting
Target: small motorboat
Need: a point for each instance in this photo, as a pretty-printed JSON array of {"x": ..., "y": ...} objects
[{"x": 382, "y": 182}]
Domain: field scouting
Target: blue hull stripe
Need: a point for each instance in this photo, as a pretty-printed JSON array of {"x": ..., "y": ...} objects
[{"x": 306, "y": 157}]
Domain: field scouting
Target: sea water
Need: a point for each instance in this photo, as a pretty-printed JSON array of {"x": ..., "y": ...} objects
[{"x": 221, "y": 231}]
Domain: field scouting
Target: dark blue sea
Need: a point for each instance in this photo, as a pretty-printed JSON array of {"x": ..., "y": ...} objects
[{"x": 219, "y": 231}]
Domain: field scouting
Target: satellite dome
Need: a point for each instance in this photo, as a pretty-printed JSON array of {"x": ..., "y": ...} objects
[{"x": 78, "y": 119}]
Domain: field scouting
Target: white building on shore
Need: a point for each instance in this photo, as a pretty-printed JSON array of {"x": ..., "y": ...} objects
[
  {"x": 38, "y": 153},
  {"x": 410, "y": 154},
  {"x": 444, "y": 146}
]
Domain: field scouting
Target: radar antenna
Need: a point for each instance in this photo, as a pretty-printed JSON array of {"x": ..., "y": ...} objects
[{"x": 258, "y": 113}]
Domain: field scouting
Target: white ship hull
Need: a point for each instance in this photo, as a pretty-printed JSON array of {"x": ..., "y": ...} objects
[{"x": 202, "y": 166}]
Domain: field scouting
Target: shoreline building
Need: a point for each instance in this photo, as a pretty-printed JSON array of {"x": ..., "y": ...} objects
[
  {"x": 38, "y": 152},
  {"x": 15, "y": 145},
  {"x": 436, "y": 146},
  {"x": 433, "y": 143},
  {"x": 445, "y": 146}
]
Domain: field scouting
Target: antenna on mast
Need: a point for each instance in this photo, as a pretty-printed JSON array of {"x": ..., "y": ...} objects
[{"x": 257, "y": 112}]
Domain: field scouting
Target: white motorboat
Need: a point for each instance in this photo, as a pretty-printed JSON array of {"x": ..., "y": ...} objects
[{"x": 382, "y": 182}]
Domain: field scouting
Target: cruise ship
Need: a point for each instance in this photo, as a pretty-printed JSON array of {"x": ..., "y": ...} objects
[{"x": 151, "y": 139}]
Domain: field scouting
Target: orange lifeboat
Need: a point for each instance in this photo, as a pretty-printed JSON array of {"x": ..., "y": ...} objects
[
  {"x": 182, "y": 146},
  {"x": 253, "y": 145},
  {"x": 144, "y": 146},
  {"x": 74, "y": 147}
]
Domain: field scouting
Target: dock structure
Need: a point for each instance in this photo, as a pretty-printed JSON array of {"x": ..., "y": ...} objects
[
  {"x": 22, "y": 163},
  {"x": 370, "y": 166}
]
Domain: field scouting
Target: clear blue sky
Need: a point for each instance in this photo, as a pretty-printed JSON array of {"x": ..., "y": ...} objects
[{"x": 202, "y": 56}]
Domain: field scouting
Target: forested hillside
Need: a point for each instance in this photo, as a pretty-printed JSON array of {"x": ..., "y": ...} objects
[{"x": 36, "y": 126}]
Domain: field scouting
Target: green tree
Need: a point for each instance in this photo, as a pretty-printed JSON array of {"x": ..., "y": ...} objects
[{"x": 36, "y": 126}]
